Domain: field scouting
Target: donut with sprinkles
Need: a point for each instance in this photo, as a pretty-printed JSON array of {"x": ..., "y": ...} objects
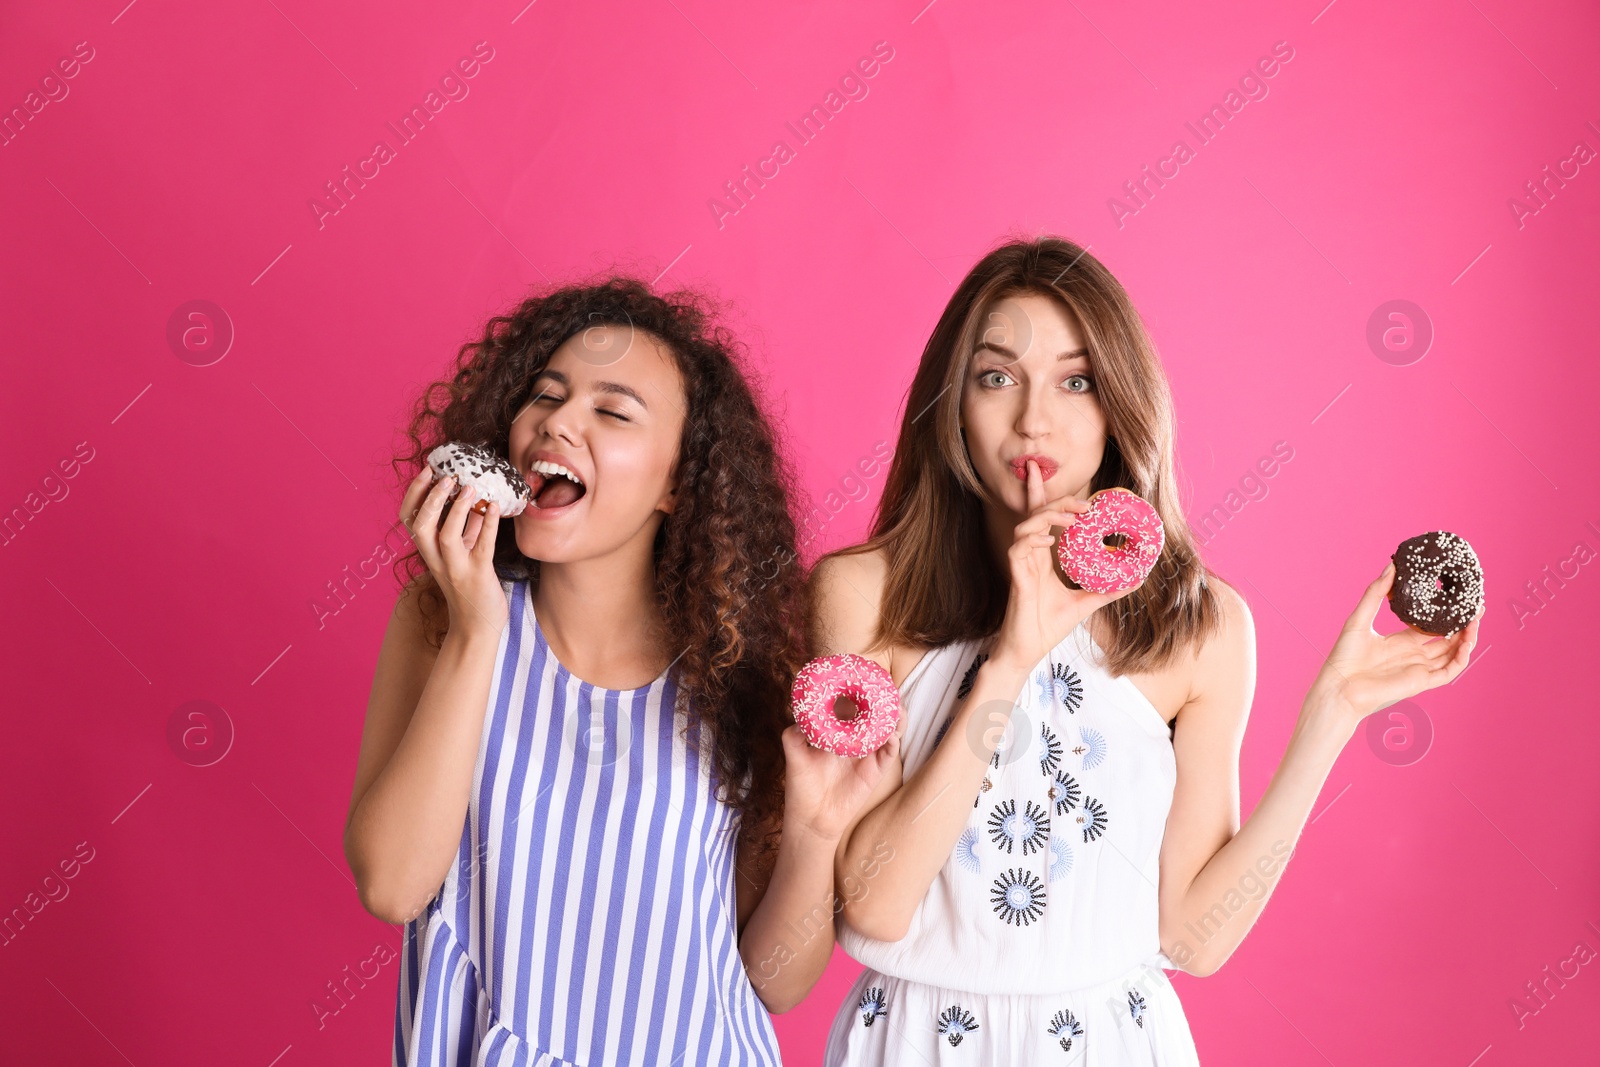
[
  {"x": 1114, "y": 545},
  {"x": 818, "y": 687},
  {"x": 1438, "y": 583},
  {"x": 492, "y": 475}
]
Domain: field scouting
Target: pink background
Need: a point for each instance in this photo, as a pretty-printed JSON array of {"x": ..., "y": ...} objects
[{"x": 181, "y": 561}]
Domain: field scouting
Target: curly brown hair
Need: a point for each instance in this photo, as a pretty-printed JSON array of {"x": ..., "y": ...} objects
[{"x": 727, "y": 574}]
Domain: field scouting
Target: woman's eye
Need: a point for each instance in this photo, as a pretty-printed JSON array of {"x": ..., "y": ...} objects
[
  {"x": 1084, "y": 383},
  {"x": 993, "y": 379},
  {"x": 619, "y": 416}
]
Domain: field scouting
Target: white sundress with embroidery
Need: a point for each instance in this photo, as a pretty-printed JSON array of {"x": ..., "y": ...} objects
[{"x": 1038, "y": 940}]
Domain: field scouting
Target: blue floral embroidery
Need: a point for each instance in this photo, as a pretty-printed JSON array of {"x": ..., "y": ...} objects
[
  {"x": 971, "y": 676},
  {"x": 1030, "y": 829},
  {"x": 873, "y": 1006},
  {"x": 967, "y": 851},
  {"x": 1064, "y": 793},
  {"x": 1092, "y": 817},
  {"x": 1052, "y": 750},
  {"x": 1060, "y": 858},
  {"x": 1061, "y": 685},
  {"x": 956, "y": 1022},
  {"x": 1091, "y": 747},
  {"x": 1065, "y": 1026},
  {"x": 1018, "y": 896},
  {"x": 1136, "y": 1007}
]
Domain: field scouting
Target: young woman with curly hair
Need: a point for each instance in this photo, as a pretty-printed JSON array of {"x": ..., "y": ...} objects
[
  {"x": 579, "y": 783},
  {"x": 1064, "y": 809}
]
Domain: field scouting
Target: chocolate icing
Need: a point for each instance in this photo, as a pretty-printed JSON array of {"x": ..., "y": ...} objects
[{"x": 1438, "y": 583}]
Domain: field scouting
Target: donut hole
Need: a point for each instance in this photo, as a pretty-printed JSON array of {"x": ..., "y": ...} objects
[
  {"x": 845, "y": 707},
  {"x": 1445, "y": 587},
  {"x": 1117, "y": 542}
]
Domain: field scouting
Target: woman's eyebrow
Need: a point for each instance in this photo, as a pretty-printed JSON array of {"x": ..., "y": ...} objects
[
  {"x": 1012, "y": 357},
  {"x": 622, "y": 390}
]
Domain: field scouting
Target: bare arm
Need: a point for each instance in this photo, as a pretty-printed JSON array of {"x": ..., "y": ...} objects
[
  {"x": 425, "y": 719},
  {"x": 907, "y": 838},
  {"x": 911, "y": 824},
  {"x": 414, "y": 775},
  {"x": 1215, "y": 876},
  {"x": 787, "y": 902}
]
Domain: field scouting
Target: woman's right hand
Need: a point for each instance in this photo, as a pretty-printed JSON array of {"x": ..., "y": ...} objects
[
  {"x": 1042, "y": 609},
  {"x": 459, "y": 553}
]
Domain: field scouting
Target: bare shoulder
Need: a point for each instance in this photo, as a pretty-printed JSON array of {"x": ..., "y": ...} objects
[
  {"x": 866, "y": 569},
  {"x": 1226, "y": 659},
  {"x": 845, "y": 593},
  {"x": 1237, "y": 622}
]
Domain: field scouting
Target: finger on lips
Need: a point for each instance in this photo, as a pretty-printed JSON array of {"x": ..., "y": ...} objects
[{"x": 1035, "y": 486}]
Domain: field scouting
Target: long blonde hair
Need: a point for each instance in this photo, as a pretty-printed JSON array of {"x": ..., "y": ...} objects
[{"x": 943, "y": 582}]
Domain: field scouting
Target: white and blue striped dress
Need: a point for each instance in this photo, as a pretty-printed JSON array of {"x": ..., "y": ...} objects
[{"x": 591, "y": 915}]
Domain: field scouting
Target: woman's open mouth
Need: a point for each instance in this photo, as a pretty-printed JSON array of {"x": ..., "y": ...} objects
[{"x": 554, "y": 486}]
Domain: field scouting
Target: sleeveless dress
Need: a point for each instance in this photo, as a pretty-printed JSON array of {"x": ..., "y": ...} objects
[
  {"x": 1038, "y": 940},
  {"x": 590, "y": 917}
]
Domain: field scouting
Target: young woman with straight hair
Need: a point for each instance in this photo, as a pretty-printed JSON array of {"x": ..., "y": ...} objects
[{"x": 1063, "y": 806}]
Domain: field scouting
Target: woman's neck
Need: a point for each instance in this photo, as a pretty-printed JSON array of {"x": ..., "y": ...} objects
[{"x": 601, "y": 619}]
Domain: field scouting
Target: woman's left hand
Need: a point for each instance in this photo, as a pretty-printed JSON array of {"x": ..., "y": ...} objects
[
  {"x": 1367, "y": 671},
  {"x": 822, "y": 791}
]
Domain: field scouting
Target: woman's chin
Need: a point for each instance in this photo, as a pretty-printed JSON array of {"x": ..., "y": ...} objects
[
  {"x": 1011, "y": 499},
  {"x": 560, "y": 542},
  {"x": 538, "y": 539}
]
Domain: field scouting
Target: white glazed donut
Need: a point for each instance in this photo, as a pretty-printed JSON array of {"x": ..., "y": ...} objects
[{"x": 492, "y": 475}]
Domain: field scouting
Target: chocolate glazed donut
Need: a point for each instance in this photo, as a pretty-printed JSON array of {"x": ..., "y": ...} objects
[{"x": 1438, "y": 583}]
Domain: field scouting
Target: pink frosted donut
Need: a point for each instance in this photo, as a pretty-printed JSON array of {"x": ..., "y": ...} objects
[
  {"x": 826, "y": 679},
  {"x": 1102, "y": 568}
]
